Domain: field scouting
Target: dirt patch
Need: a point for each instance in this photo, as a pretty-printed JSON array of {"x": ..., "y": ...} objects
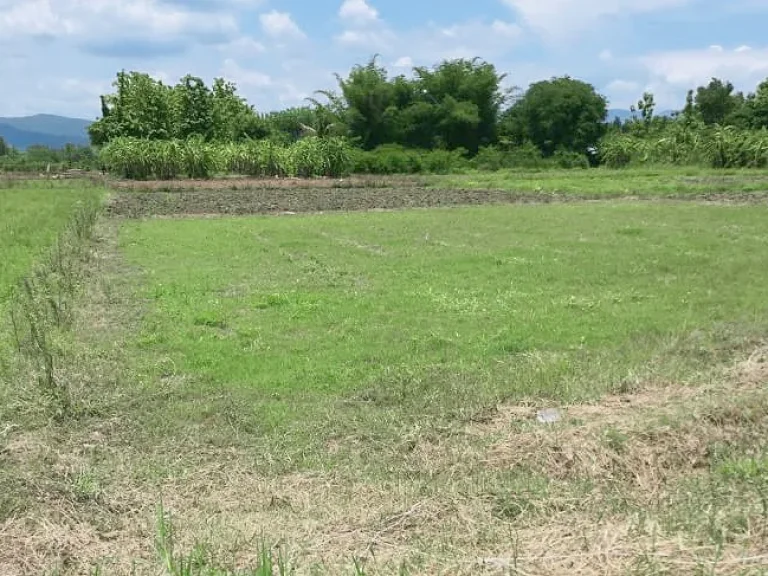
[
  {"x": 269, "y": 200},
  {"x": 242, "y": 197},
  {"x": 246, "y": 183}
]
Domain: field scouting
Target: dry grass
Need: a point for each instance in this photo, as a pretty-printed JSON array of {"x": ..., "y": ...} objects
[{"x": 445, "y": 518}]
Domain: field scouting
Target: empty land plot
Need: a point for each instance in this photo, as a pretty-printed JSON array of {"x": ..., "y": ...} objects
[{"x": 365, "y": 385}]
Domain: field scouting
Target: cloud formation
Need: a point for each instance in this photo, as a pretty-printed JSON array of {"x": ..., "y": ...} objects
[{"x": 59, "y": 54}]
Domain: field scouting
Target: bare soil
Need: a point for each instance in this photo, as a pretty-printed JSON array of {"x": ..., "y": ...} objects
[{"x": 298, "y": 199}]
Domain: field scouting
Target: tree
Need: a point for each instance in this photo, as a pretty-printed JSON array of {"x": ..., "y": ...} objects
[
  {"x": 140, "y": 108},
  {"x": 758, "y": 106},
  {"x": 561, "y": 113},
  {"x": 192, "y": 108},
  {"x": 233, "y": 118},
  {"x": 716, "y": 101},
  {"x": 4, "y": 148},
  {"x": 646, "y": 105},
  {"x": 368, "y": 101},
  {"x": 469, "y": 98}
]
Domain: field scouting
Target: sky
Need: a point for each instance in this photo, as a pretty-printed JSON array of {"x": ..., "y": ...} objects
[{"x": 58, "y": 56}]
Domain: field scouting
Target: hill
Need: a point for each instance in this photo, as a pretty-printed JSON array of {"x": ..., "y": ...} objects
[{"x": 45, "y": 130}]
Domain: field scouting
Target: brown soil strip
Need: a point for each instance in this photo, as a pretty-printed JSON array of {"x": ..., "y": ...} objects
[{"x": 295, "y": 199}]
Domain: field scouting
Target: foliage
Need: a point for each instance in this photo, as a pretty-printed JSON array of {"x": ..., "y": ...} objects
[
  {"x": 140, "y": 159},
  {"x": 716, "y": 101},
  {"x": 43, "y": 159},
  {"x": 396, "y": 159},
  {"x": 716, "y": 146},
  {"x": 144, "y": 107},
  {"x": 561, "y": 113},
  {"x": 443, "y": 119},
  {"x": 453, "y": 105}
]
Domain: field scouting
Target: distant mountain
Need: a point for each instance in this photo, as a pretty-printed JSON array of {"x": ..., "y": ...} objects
[{"x": 45, "y": 130}]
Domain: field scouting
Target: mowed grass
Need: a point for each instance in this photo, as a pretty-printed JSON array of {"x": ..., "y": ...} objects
[
  {"x": 362, "y": 388},
  {"x": 604, "y": 182},
  {"x": 32, "y": 215},
  {"x": 450, "y": 308}
]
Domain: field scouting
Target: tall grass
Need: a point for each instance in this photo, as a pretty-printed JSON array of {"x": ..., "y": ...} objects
[
  {"x": 41, "y": 308},
  {"x": 715, "y": 147},
  {"x": 194, "y": 158}
]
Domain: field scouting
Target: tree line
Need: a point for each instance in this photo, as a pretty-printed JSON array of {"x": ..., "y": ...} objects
[{"x": 458, "y": 109}]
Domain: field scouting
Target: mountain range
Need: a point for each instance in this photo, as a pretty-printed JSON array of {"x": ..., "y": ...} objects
[
  {"x": 57, "y": 131},
  {"x": 44, "y": 129}
]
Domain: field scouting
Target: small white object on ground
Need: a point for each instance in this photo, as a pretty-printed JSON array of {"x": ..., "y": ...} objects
[{"x": 548, "y": 416}]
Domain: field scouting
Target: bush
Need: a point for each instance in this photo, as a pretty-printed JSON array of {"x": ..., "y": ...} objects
[
  {"x": 444, "y": 161},
  {"x": 569, "y": 159}
]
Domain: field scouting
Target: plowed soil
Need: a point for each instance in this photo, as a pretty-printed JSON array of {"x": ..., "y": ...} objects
[
  {"x": 246, "y": 183},
  {"x": 274, "y": 200}
]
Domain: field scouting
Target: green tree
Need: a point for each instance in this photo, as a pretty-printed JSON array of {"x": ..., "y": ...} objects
[
  {"x": 233, "y": 118},
  {"x": 561, "y": 113},
  {"x": 4, "y": 148},
  {"x": 368, "y": 110},
  {"x": 140, "y": 108},
  {"x": 192, "y": 108},
  {"x": 646, "y": 105},
  {"x": 468, "y": 97},
  {"x": 758, "y": 106},
  {"x": 716, "y": 102}
]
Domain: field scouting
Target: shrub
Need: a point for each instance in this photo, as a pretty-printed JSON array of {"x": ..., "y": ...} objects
[{"x": 569, "y": 159}]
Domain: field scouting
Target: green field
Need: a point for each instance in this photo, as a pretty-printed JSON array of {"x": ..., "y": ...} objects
[
  {"x": 340, "y": 304},
  {"x": 362, "y": 388},
  {"x": 31, "y": 217},
  {"x": 643, "y": 182}
]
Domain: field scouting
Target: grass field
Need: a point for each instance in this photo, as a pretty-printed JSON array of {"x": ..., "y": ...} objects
[
  {"x": 31, "y": 217},
  {"x": 361, "y": 389},
  {"x": 643, "y": 182}
]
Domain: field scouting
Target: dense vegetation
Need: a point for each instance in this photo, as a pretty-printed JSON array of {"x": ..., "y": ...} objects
[{"x": 449, "y": 118}]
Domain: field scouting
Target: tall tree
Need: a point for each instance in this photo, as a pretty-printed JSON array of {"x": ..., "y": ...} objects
[
  {"x": 192, "y": 108},
  {"x": 4, "y": 148},
  {"x": 470, "y": 98},
  {"x": 141, "y": 108},
  {"x": 561, "y": 113},
  {"x": 716, "y": 101},
  {"x": 758, "y": 106},
  {"x": 369, "y": 107},
  {"x": 233, "y": 118}
]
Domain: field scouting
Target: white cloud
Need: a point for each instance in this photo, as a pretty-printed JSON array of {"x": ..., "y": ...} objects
[
  {"x": 564, "y": 19},
  {"x": 605, "y": 55},
  {"x": 690, "y": 68},
  {"x": 625, "y": 86},
  {"x": 231, "y": 70},
  {"x": 506, "y": 29},
  {"x": 432, "y": 44},
  {"x": 358, "y": 11},
  {"x": 382, "y": 40},
  {"x": 403, "y": 62},
  {"x": 280, "y": 25},
  {"x": 111, "y": 21},
  {"x": 244, "y": 46}
]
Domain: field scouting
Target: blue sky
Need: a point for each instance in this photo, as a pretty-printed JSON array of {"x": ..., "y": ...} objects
[{"x": 60, "y": 55}]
